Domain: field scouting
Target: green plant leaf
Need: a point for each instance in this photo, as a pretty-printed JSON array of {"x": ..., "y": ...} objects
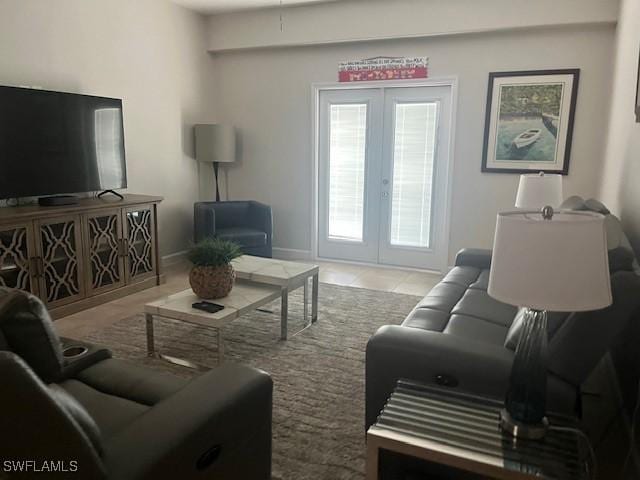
[{"x": 213, "y": 252}]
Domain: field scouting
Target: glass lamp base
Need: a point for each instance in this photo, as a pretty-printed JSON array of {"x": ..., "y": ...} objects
[
  {"x": 517, "y": 429},
  {"x": 525, "y": 402}
]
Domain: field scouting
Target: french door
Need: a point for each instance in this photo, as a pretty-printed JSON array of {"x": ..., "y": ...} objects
[{"x": 383, "y": 174}]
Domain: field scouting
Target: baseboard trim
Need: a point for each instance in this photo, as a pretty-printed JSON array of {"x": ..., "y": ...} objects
[
  {"x": 174, "y": 258},
  {"x": 291, "y": 254}
]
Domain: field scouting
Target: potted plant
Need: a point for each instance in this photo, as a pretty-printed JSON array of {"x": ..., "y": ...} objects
[{"x": 212, "y": 275}]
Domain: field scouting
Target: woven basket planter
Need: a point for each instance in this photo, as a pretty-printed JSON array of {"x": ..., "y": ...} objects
[{"x": 212, "y": 282}]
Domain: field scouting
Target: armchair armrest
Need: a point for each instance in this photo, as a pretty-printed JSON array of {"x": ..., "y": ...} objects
[
  {"x": 218, "y": 426},
  {"x": 395, "y": 352},
  {"x": 74, "y": 365},
  {"x": 474, "y": 257},
  {"x": 260, "y": 217},
  {"x": 204, "y": 221}
]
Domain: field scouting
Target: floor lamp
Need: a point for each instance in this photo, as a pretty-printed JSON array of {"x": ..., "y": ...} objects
[{"x": 215, "y": 143}]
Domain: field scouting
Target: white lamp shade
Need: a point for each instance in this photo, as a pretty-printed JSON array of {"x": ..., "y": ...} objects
[
  {"x": 539, "y": 190},
  {"x": 560, "y": 265},
  {"x": 215, "y": 143}
]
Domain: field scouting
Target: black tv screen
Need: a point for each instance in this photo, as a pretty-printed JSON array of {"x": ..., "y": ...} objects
[{"x": 54, "y": 142}]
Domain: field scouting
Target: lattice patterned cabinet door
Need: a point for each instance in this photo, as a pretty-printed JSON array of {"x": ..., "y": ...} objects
[
  {"x": 61, "y": 270},
  {"x": 141, "y": 255},
  {"x": 15, "y": 254},
  {"x": 103, "y": 234}
]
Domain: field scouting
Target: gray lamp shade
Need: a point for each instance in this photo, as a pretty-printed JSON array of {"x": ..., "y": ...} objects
[
  {"x": 539, "y": 190},
  {"x": 559, "y": 264},
  {"x": 215, "y": 143}
]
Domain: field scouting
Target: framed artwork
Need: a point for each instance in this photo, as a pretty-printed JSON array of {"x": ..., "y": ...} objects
[{"x": 529, "y": 121}]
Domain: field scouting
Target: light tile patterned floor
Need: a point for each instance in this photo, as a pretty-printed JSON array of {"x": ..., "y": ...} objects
[{"x": 378, "y": 278}]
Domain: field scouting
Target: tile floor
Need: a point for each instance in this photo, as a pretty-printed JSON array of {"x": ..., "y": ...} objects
[
  {"x": 346, "y": 274},
  {"x": 378, "y": 278}
]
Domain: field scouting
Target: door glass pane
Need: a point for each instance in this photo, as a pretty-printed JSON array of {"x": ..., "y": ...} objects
[
  {"x": 103, "y": 250},
  {"x": 347, "y": 147},
  {"x": 60, "y": 260},
  {"x": 140, "y": 236},
  {"x": 14, "y": 259},
  {"x": 413, "y": 164}
]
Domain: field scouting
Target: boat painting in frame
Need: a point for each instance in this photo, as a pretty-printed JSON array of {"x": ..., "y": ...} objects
[{"x": 529, "y": 121}]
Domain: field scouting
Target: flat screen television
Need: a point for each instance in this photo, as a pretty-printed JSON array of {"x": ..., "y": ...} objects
[{"x": 54, "y": 142}]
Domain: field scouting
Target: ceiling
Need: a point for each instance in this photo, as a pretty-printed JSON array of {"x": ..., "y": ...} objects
[{"x": 223, "y": 6}]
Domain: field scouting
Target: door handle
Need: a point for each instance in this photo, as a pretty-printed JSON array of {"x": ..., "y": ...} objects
[
  {"x": 123, "y": 247},
  {"x": 37, "y": 266},
  {"x": 385, "y": 194},
  {"x": 34, "y": 267},
  {"x": 385, "y": 182}
]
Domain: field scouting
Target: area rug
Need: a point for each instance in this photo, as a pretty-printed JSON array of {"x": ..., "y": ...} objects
[{"x": 318, "y": 374}]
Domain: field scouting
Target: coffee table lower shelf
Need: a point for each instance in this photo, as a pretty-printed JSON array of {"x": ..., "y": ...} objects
[{"x": 245, "y": 296}]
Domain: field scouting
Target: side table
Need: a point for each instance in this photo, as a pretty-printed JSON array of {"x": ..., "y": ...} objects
[{"x": 461, "y": 432}]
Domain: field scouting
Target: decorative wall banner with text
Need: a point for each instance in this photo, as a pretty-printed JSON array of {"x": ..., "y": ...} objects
[{"x": 383, "y": 68}]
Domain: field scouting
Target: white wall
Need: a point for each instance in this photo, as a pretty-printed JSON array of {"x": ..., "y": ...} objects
[
  {"x": 266, "y": 94},
  {"x": 150, "y": 53},
  {"x": 353, "y": 20},
  {"x": 621, "y": 179}
]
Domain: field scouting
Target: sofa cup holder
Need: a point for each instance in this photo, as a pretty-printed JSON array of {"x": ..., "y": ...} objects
[{"x": 74, "y": 351}]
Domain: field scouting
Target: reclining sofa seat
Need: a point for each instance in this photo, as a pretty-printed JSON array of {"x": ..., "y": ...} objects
[
  {"x": 460, "y": 337},
  {"x": 118, "y": 420}
]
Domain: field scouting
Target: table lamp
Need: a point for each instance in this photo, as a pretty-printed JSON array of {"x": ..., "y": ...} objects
[
  {"x": 539, "y": 190},
  {"x": 215, "y": 144},
  {"x": 544, "y": 262}
]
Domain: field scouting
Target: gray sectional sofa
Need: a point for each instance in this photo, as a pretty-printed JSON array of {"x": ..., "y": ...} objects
[{"x": 459, "y": 337}]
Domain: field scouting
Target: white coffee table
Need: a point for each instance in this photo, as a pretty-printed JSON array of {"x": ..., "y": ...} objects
[
  {"x": 288, "y": 276},
  {"x": 244, "y": 297},
  {"x": 259, "y": 281}
]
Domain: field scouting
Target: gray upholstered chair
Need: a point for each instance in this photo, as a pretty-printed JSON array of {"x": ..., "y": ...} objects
[
  {"x": 106, "y": 418},
  {"x": 459, "y": 337},
  {"x": 247, "y": 223}
]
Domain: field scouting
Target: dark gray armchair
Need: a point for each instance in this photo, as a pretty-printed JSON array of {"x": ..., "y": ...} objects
[
  {"x": 247, "y": 223},
  {"x": 101, "y": 418}
]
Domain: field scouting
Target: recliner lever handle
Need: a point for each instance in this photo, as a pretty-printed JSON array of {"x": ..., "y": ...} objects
[
  {"x": 208, "y": 457},
  {"x": 445, "y": 380}
]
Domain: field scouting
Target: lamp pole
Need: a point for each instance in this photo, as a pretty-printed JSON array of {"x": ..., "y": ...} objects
[{"x": 215, "y": 174}]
